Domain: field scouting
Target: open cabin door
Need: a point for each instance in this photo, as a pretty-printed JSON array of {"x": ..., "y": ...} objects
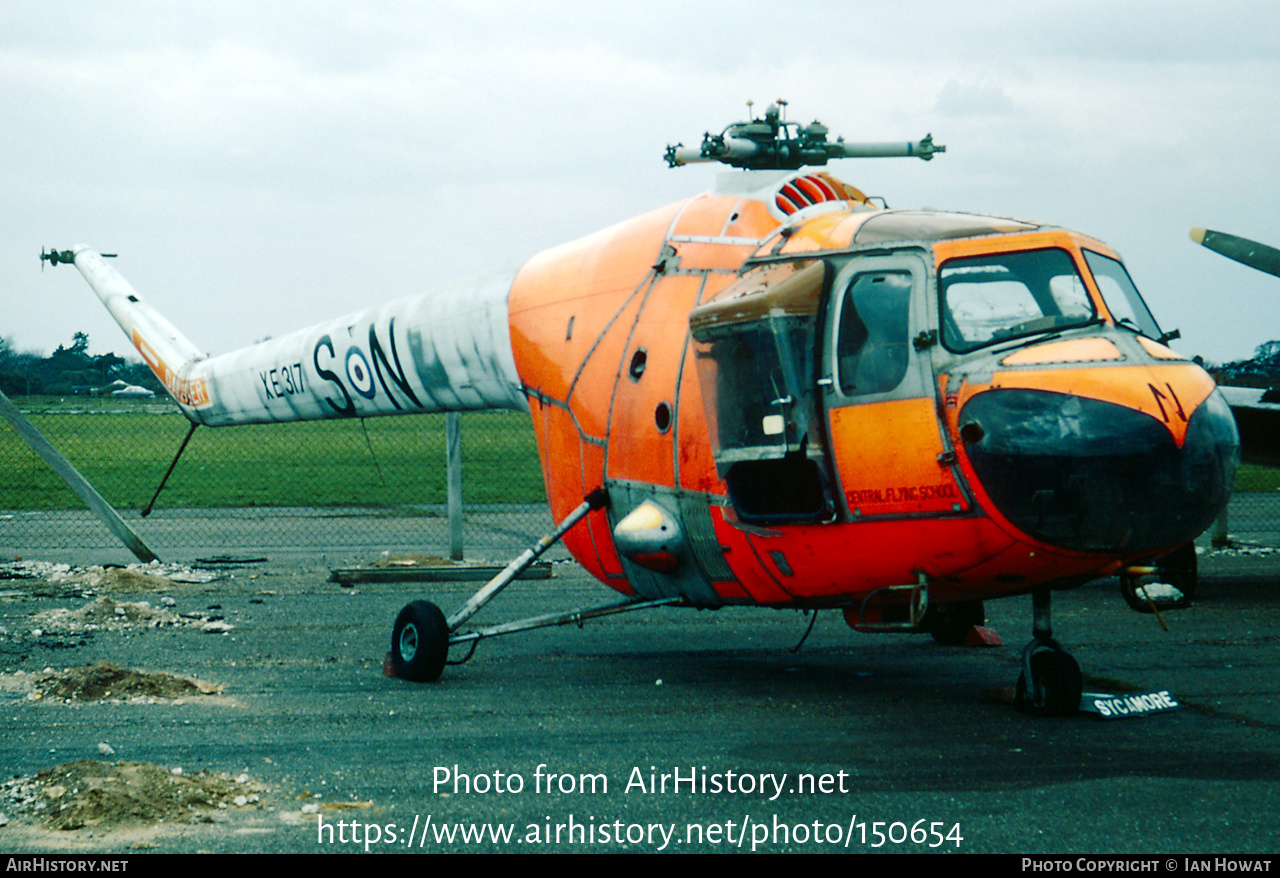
[
  {"x": 891, "y": 453},
  {"x": 758, "y": 363}
]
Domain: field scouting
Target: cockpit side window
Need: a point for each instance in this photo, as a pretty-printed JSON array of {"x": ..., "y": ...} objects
[
  {"x": 872, "y": 350},
  {"x": 1122, "y": 297},
  {"x": 987, "y": 299}
]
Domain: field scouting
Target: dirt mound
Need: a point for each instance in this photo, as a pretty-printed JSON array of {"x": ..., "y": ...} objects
[
  {"x": 105, "y": 680},
  {"x": 90, "y": 794},
  {"x": 122, "y": 579}
]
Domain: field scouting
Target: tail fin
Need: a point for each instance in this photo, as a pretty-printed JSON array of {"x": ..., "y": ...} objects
[
  {"x": 168, "y": 352},
  {"x": 445, "y": 351}
]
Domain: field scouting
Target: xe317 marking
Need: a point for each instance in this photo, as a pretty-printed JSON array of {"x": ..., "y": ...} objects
[{"x": 283, "y": 381}]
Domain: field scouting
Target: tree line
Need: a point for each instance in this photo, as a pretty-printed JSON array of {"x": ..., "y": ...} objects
[
  {"x": 1260, "y": 370},
  {"x": 72, "y": 370},
  {"x": 68, "y": 370}
]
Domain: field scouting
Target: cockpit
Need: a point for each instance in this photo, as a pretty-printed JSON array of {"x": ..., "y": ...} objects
[
  {"x": 828, "y": 376},
  {"x": 992, "y": 298}
]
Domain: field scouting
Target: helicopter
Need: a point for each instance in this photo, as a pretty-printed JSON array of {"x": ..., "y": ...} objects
[{"x": 781, "y": 393}]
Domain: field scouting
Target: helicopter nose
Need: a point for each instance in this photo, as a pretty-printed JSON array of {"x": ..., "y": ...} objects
[{"x": 1095, "y": 476}]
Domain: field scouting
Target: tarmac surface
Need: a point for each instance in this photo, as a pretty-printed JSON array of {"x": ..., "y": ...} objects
[{"x": 855, "y": 743}]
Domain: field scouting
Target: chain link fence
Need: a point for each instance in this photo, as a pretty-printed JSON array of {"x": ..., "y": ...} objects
[{"x": 349, "y": 487}]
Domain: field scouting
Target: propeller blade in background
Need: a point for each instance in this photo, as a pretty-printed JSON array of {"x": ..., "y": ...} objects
[{"x": 1251, "y": 253}]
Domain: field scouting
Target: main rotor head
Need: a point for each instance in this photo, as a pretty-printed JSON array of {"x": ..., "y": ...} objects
[{"x": 772, "y": 143}]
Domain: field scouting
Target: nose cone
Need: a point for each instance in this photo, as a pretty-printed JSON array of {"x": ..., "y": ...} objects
[{"x": 1094, "y": 476}]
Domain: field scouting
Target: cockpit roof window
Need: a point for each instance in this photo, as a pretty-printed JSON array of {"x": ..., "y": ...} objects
[
  {"x": 932, "y": 225},
  {"x": 993, "y": 298}
]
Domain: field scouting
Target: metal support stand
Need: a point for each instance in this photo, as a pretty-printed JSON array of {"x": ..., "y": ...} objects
[
  {"x": 573, "y": 617},
  {"x": 595, "y": 500},
  {"x": 146, "y": 510},
  {"x": 78, "y": 483}
]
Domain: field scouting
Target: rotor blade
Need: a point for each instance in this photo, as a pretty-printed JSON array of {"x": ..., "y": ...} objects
[{"x": 1251, "y": 253}]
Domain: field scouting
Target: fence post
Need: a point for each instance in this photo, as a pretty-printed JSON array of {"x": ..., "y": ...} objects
[
  {"x": 1221, "y": 535},
  {"x": 453, "y": 470}
]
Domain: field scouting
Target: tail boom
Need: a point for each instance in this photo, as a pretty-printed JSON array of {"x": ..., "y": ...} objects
[{"x": 449, "y": 350}]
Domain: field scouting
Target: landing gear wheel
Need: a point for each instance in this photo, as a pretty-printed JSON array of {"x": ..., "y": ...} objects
[
  {"x": 420, "y": 642},
  {"x": 1055, "y": 686},
  {"x": 950, "y": 623}
]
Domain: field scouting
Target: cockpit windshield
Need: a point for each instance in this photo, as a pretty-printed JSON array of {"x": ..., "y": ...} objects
[
  {"x": 1121, "y": 296},
  {"x": 988, "y": 299}
]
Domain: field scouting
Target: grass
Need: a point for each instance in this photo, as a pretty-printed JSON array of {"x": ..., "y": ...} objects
[
  {"x": 1257, "y": 479},
  {"x": 123, "y": 450}
]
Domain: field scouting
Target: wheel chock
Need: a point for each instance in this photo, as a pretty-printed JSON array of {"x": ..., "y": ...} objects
[
  {"x": 980, "y": 636},
  {"x": 388, "y": 666}
]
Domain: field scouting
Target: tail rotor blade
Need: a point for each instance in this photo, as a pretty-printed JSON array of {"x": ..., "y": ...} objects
[{"x": 1242, "y": 250}]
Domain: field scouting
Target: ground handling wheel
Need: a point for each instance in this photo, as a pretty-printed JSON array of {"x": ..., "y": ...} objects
[
  {"x": 1055, "y": 685},
  {"x": 420, "y": 642}
]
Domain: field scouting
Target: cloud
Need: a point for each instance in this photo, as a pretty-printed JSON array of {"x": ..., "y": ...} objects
[
  {"x": 958, "y": 99},
  {"x": 248, "y": 160}
]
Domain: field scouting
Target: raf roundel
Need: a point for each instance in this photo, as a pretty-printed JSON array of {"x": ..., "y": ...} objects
[{"x": 359, "y": 373}]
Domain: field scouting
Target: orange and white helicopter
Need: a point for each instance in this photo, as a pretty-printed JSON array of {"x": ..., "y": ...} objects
[{"x": 778, "y": 393}]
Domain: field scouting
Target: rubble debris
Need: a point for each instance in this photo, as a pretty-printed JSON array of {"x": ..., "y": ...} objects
[
  {"x": 134, "y": 578},
  {"x": 86, "y": 793},
  {"x": 1241, "y": 550},
  {"x": 105, "y": 614}
]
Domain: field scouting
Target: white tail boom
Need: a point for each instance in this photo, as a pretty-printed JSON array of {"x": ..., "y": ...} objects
[{"x": 449, "y": 350}]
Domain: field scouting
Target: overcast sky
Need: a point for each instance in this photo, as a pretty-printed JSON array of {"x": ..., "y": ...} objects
[{"x": 262, "y": 166}]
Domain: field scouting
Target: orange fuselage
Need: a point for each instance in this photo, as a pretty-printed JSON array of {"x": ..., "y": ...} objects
[{"x": 600, "y": 331}]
